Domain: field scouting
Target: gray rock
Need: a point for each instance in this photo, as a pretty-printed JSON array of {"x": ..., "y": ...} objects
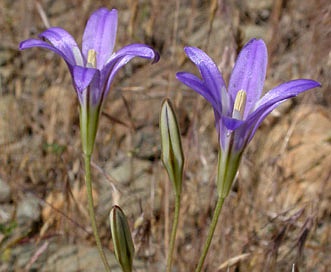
[
  {"x": 28, "y": 210},
  {"x": 5, "y": 192}
]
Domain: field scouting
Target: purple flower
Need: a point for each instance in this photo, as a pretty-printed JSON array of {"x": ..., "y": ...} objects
[
  {"x": 239, "y": 109},
  {"x": 93, "y": 68}
]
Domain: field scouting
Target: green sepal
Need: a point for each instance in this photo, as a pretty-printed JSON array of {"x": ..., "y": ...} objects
[
  {"x": 89, "y": 121},
  {"x": 228, "y": 164}
]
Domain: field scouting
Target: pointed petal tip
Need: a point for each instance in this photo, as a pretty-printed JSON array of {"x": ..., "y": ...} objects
[
  {"x": 22, "y": 44},
  {"x": 256, "y": 42},
  {"x": 189, "y": 48},
  {"x": 306, "y": 83},
  {"x": 316, "y": 84},
  {"x": 104, "y": 10},
  {"x": 29, "y": 43},
  {"x": 156, "y": 57},
  {"x": 194, "y": 53},
  {"x": 311, "y": 84},
  {"x": 179, "y": 75}
]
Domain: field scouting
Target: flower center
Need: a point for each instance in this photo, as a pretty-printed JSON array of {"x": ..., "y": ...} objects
[
  {"x": 239, "y": 105},
  {"x": 91, "y": 58}
]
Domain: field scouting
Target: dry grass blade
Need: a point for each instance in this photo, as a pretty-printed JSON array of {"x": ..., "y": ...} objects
[{"x": 233, "y": 261}]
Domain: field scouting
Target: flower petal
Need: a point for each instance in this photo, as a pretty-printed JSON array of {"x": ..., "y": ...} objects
[
  {"x": 122, "y": 57},
  {"x": 197, "y": 85},
  {"x": 209, "y": 72},
  {"x": 231, "y": 123},
  {"x": 65, "y": 43},
  {"x": 100, "y": 35},
  {"x": 82, "y": 78},
  {"x": 30, "y": 43},
  {"x": 136, "y": 50},
  {"x": 272, "y": 99},
  {"x": 249, "y": 73}
]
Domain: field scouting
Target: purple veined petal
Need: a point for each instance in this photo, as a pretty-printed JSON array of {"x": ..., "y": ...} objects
[
  {"x": 272, "y": 99},
  {"x": 30, "y": 43},
  {"x": 135, "y": 50},
  {"x": 197, "y": 85},
  {"x": 100, "y": 35},
  {"x": 65, "y": 43},
  {"x": 249, "y": 73},
  {"x": 82, "y": 78},
  {"x": 95, "y": 91},
  {"x": 122, "y": 57},
  {"x": 96, "y": 88},
  {"x": 209, "y": 72}
]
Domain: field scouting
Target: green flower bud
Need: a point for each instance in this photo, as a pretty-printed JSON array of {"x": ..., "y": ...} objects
[
  {"x": 123, "y": 244},
  {"x": 172, "y": 151}
]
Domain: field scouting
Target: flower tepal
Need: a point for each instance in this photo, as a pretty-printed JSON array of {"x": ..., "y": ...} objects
[
  {"x": 92, "y": 67},
  {"x": 238, "y": 108}
]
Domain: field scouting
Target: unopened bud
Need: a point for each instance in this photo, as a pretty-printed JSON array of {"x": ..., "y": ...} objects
[
  {"x": 121, "y": 235},
  {"x": 172, "y": 151}
]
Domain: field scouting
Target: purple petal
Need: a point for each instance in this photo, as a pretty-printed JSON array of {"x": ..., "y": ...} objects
[
  {"x": 197, "y": 85},
  {"x": 249, "y": 73},
  {"x": 122, "y": 57},
  {"x": 136, "y": 50},
  {"x": 100, "y": 35},
  {"x": 231, "y": 123},
  {"x": 65, "y": 43},
  {"x": 82, "y": 78},
  {"x": 272, "y": 99},
  {"x": 210, "y": 74},
  {"x": 93, "y": 94},
  {"x": 30, "y": 43}
]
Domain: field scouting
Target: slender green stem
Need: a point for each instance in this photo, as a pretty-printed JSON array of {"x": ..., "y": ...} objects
[
  {"x": 87, "y": 160},
  {"x": 173, "y": 233},
  {"x": 211, "y": 231}
]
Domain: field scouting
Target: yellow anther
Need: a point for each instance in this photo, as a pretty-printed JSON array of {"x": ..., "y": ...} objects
[
  {"x": 92, "y": 58},
  {"x": 239, "y": 105}
]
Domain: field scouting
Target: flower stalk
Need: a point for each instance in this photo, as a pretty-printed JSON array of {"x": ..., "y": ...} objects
[
  {"x": 173, "y": 233},
  {"x": 210, "y": 234},
  {"x": 88, "y": 183}
]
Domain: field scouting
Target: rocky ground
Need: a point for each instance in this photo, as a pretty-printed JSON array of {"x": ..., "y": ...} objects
[{"x": 278, "y": 213}]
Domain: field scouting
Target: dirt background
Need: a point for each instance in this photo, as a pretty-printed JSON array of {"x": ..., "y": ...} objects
[{"x": 278, "y": 214}]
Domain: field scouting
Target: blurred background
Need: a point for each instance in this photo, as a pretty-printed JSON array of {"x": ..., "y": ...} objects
[{"x": 278, "y": 213}]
